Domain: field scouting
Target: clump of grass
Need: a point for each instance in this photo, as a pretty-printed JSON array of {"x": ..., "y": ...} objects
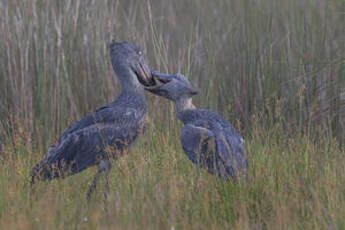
[{"x": 294, "y": 183}]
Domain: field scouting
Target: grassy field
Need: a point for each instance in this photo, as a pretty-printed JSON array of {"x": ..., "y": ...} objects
[{"x": 274, "y": 68}]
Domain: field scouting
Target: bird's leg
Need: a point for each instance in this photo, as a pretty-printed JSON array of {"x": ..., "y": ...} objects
[
  {"x": 93, "y": 185},
  {"x": 106, "y": 189},
  {"x": 101, "y": 167},
  {"x": 221, "y": 170}
]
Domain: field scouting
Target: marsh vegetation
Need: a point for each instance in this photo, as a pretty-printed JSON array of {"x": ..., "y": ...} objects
[{"x": 274, "y": 68}]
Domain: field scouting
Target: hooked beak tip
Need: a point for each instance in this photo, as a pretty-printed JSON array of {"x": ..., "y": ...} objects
[{"x": 194, "y": 92}]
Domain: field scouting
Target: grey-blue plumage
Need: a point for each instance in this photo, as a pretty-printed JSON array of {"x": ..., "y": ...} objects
[
  {"x": 207, "y": 138},
  {"x": 107, "y": 132}
]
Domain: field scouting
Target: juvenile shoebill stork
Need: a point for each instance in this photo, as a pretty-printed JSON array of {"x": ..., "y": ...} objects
[
  {"x": 108, "y": 131},
  {"x": 207, "y": 138}
]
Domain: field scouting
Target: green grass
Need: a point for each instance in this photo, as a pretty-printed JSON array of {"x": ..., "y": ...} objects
[
  {"x": 294, "y": 183},
  {"x": 273, "y": 68}
]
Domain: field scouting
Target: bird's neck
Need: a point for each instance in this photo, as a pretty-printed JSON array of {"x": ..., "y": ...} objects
[
  {"x": 135, "y": 89},
  {"x": 130, "y": 83},
  {"x": 182, "y": 105}
]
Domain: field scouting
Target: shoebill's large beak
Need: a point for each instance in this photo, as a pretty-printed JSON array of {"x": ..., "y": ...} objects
[
  {"x": 159, "y": 79},
  {"x": 144, "y": 74}
]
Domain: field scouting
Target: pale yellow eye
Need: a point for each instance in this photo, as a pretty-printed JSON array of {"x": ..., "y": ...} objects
[{"x": 140, "y": 53}]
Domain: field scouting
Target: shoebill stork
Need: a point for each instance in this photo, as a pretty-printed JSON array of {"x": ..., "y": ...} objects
[
  {"x": 115, "y": 126},
  {"x": 207, "y": 138}
]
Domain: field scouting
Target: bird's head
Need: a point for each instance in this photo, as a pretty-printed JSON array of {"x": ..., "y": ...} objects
[
  {"x": 173, "y": 87},
  {"x": 129, "y": 64}
]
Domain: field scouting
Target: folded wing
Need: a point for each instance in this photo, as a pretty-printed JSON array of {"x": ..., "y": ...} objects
[
  {"x": 85, "y": 143},
  {"x": 214, "y": 148}
]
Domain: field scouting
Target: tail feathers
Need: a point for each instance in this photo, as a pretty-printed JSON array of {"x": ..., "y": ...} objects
[{"x": 41, "y": 172}]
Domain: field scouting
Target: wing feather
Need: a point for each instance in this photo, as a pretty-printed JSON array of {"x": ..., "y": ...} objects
[
  {"x": 85, "y": 143},
  {"x": 218, "y": 150},
  {"x": 119, "y": 116},
  {"x": 199, "y": 145}
]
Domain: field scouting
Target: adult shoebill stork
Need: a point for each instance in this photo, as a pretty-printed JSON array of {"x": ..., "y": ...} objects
[
  {"x": 113, "y": 127},
  {"x": 206, "y": 137}
]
